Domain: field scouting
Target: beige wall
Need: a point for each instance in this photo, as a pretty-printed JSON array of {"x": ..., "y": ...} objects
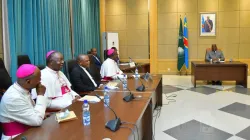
[
  {"x": 1, "y": 33},
  {"x": 233, "y": 30},
  {"x": 130, "y": 19}
]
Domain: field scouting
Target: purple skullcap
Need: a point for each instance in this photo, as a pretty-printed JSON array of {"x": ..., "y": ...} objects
[
  {"x": 49, "y": 53},
  {"x": 110, "y": 51},
  {"x": 25, "y": 70}
]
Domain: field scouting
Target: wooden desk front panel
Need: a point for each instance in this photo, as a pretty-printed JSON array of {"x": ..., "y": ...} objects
[
  {"x": 230, "y": 71},
  {"x": 220, "y": 73}
]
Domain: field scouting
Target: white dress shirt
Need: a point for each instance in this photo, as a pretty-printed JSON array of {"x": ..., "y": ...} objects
[
  {"x": 110, "y": 69},
  {"x": 17, "y": 106},
  {"x": 90, "y": 77},
  {"x": 53, "y": 81}
]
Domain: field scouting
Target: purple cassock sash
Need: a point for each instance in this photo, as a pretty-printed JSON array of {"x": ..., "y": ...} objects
[{"x": 14, "y": 128}]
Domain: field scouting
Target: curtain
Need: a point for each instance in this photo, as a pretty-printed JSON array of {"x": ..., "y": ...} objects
[
  {"x": 86, "y": 26},
  {"x": 37, "y": 26},
  {"x": 6, "y": 43}
]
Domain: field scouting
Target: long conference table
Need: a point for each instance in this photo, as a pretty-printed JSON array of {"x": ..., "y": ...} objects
[
  {"x": 139, "y": 112},
  {"x": 142, "y": 67},
  {"x": 154, "y": 87}
]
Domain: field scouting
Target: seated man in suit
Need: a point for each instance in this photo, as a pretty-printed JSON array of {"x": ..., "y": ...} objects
[
  {"x": 110, "y": 69},
  {"x": 98, "y": 61},
  {"x": 81, "y": 77},
  {"x": 214, "y": 56}
]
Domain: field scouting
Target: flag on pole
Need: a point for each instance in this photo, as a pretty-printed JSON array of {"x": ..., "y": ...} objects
[
  {"x": 181, "y": 57},
  {"x": 185, "y": 39},
  {"x": 203, "y": 24}
]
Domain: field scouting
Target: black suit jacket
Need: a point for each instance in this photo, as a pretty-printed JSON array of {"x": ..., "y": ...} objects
[
  {"x": 80, "y": 80},
  {"x": 97, "y": 63}
]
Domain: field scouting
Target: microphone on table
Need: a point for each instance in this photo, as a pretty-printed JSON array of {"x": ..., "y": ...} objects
[
  {"x": 144, "y": 76},
  {"x": 136, "y": 64},
  {"x": 130, "y": 59},
  {"x": 114, "y": 124},
  {"x": 129, "y": 97},
  {"x": 142, "y": 86}
]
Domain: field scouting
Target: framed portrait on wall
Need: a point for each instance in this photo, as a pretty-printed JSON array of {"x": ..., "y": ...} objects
[{"x": 207, "y": 24}]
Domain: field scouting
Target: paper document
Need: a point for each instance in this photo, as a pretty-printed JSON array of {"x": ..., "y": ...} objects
[
  {"x": 112, "y": 85},
  {"x": 123, "y": 64},
  {"x": 91, "y": 98}
]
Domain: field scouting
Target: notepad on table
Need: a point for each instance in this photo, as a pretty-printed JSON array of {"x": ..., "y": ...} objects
[
  {"x": 90, "y": 98},
  {"x": 112, "y": 85}
]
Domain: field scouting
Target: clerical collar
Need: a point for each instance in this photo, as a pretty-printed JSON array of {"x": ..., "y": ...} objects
[{"x": 52, "y": 71}]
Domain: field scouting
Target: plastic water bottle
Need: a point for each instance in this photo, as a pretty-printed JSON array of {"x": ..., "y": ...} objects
[
  {"x": 136, "y": 73},
  {"x": 125, "y": 82},
  {"x": 86, "y": 113},
  {"x": 106, "y": 96}
]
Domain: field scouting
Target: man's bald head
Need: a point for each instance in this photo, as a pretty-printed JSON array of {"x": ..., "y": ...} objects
[{"x": 83, "y": 60}]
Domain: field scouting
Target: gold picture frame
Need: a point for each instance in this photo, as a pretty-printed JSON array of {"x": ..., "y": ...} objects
[{"x": 208, "y": 24}]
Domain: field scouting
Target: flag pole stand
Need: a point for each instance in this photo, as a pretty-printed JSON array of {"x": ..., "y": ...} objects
[
  {"x": 186, "y": 70},
  {"x": 181, "y": 70}
]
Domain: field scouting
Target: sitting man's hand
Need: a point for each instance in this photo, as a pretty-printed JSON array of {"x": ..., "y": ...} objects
[
  {"x": 47, "y": 114},
  {"x": 214, "y": 59},
  {"x": 76, "y": 98}
]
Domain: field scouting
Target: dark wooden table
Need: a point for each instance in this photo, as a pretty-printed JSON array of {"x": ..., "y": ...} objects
[
  {"x": 154, "y": 86},
  {"x": 142, "y": 68},
  {"x": 229, "y": 71},
  {"x": 137, "y": 111}
]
